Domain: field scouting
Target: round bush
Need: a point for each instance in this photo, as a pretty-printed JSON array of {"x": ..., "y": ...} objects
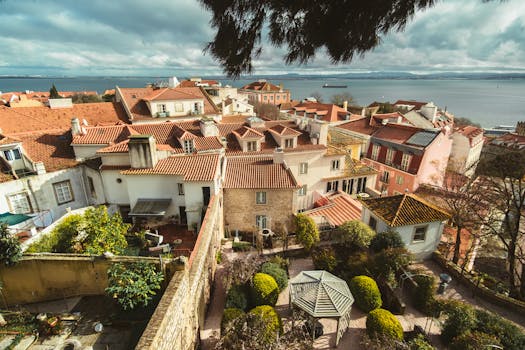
[
  {"x": 385, "y": 240},
  {"x": 228, "y": 316},
  {"x": 510, "y": 336},
  {"x": 419, "y": 343},
  {"x": 355, "y": 233},
  {"x": 236, "y": 298},
  {"x": 474, "y": 341},
  {"x": 461, "y": 318},
  {"x": 324, "y": 259},
  {"x": 278, "y": 274},
  {"x": 271, "y": 321},
  {"x": 366, "y": 293},
  {"x": 265, "y": 290},
  {"x": 381, "y": 322}
]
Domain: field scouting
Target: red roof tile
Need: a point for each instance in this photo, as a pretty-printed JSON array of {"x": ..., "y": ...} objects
[
  {"x": 104, "y": 135},
  {"x": 167, "y": 94},
  {"x": 194, "y": 83},
  {"x": 330, "y": 112},
  {"x": 257, "y": 172},
  {"x": 283, "y": 130},
  {"x": 337, "y": 209},
  {"x": 245, "y": 132},
  {"x": 417, "y": 105},
  {"x": 360, "y": 126},
  {"x": 261, "y": 86}
]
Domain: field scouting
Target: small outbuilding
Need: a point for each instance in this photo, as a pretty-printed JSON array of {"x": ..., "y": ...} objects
[{"x": 322, "y": 295}]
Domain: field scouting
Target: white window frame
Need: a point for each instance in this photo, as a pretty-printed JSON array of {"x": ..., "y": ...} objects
[
  {"x": 260, "y": 197},
  {"x": 179, "y": 107},
  {"x": 335, "y": 164},
  {"x": 261, "y": 221},
  {"x": 400, "y": 179},
  {"x": 375, "y": 152},
  {"x": 251, "y": 146},
  {"x": 16, "y": 207},
  {"x": 302, "y": 191},
  {"x": 303, "y": 168},
  {"x": 162, "y": 108},
  {"x": 385, "y": 177},
  {"x": 12, "y": 154},
  {"x": 288, "y": 143},
  {"x": 416, "y": 234},
  {"x": 188, "y": 146},
  {"x": 63, "y": 192},
  {"x": 405, "y": 161},
  {"x": 389, "y": 156},
  {"x": 180, "y": 188}
]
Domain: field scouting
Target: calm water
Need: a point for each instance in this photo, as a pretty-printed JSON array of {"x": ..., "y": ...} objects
[{"x": 488, "y": 102}]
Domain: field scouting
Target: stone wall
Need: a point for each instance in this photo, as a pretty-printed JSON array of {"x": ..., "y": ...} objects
[
  {"x": 46, "y": 277},
  {"x": 180, "y": 314},
  {"x": 241, "y": 208}
]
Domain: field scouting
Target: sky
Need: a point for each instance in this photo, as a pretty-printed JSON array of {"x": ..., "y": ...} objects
[{"x": 167, "y": 37}]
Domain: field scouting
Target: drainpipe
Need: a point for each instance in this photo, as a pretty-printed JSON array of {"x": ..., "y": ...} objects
[{"x": 30, "y": 187}]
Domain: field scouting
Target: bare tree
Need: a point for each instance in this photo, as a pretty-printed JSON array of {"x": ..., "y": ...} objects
[
  {"x": 266, "y": 110},
  {"x": 317, "y": 95},
  {"x": 340, "y": 99}
]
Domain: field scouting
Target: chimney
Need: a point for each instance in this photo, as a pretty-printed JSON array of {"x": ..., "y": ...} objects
[
  {"x": 208, "y": 128},
  {"x": 278, "y": 156},
  {"x": 345, "y": 105},
  {"x": 363, "y": 112},
  {"x": 173, "y": 82},
  {"x": 318, "y": 132},
  {"x": 281, "y": 87},
  {"x": 142, "y": 151},
  {"x": 75, "y": 127},
  {"x": 429, "y": 111}
]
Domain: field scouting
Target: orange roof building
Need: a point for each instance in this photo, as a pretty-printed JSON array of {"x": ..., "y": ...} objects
[{"x": 262, "y": 91}]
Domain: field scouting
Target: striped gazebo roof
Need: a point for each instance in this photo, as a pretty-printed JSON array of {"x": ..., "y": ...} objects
[{"x": 320, "y": 294}]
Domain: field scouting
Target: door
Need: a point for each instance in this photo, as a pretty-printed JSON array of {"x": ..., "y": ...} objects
[
  {"x": 206, "y": 195},
  {"x": 183, "y": 217}
]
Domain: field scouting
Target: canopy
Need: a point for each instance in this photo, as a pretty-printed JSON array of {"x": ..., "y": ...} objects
[
  {"x": 320, "y": 294},
  {"x": 13, "y": 219},
  {"x": 150, "y": 207}
]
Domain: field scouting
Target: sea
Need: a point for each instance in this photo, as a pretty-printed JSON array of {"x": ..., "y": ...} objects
[{"x": 489, "y": 102}]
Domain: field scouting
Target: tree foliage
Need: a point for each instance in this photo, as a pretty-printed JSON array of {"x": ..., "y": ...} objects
[
  {"x": 236, "y": 297},
  {"x": 382, "y": 322},
  {"x": 86, "y": 98},
  {"x": 265, "y": 290},
  {"x": 324, "y": 258},
  {"x": 306, "y": 230},
  {"x": 134, "y": 284},
  {"x": 366, "y": 293},
  {"x": 10, "y": 250},
  {"x": 278, "y": 274},
  {"x": 474, "y": 341},
  {"x": 53, "y": 92},
  {"x": 341, "y": 98},
  {"x": 385, "y": 240},
  {"x": 460, "y": 319},
  {"x": 355, "y": 233},
  {"x": 266, "y": 110}
]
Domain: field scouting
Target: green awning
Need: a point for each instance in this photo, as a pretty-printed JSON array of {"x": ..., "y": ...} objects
[
  {"x": 13, "y": 219},
  {"x": 150, "y": 207}
]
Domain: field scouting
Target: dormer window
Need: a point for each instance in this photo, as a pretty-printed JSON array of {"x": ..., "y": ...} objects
[
  {"x": 12, "y": 154},
  {"x": 288, "y": 143},
  {"x": 251, "y": 145},
  {"x": 335, "y": 164},
  {"x": 188, "y": 146},
  {"x": 162, "y": 108}
]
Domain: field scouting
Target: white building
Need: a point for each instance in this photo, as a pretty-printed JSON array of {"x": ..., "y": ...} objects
[{"x": 467, "y": 143}]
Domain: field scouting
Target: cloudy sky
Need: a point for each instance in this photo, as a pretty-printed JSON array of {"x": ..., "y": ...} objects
[{"x": 164, "y": 37}]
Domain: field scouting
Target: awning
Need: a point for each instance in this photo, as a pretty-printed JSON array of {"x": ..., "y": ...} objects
[
  {"x": 13, "y": 219},
  {"x": 150, "y": 207}
]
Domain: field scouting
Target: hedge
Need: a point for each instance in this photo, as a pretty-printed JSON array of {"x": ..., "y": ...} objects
[
  {"x": 236, "y": 298},
  {"x": 272, "y": 321},
  {"x": 366, "y": 293},
  {"x": 264, "y": 289},
  {"x": 277, "y": 273},
  {"x": 510, "y": 336},
  {"x": 381, "y": 322},
  {"x": 461, "y": 318},
  {"x": 385, "y": 240},
  {"x": 423, "y": 295},
  {"x": 229, "y": 315},
  {"x": 324, "y": 258},
  {"x": 474, "y": 341}
]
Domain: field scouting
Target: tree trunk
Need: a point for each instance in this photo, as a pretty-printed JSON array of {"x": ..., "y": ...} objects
[
  {"x": 457, "y": 246},
  {"x": 522, "y": 280},
  {"x": 511, "y": 260}
]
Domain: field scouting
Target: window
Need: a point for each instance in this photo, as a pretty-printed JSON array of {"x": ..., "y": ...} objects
[
  {"x": 180, "y": 187},
  {"x": 278, "y": 97},
  {"x": 375, "y": 152},
  {"x": 302, "y": 191},
  {"x": 188, "y": 146},
  {"x": 271, "y": 98},
  {"x": 400, "y": 180},
  {"x": 332, "y": 186},
  {"x": 303, "y": 168},
  {"x": 260, "y": 197},
  {"x": 288, "y": 143},
  {"x": 405, "y": 161},
  {"x": 265, "y": 98},
  {"x": 385, "y": 177},
  {"x": 12, "y": 154},
  {"x": 63, "y": 192},
  {"x": 161, "y": 108},
  {"x": 372, "y": 222},
  {"x": 261, "y": 221},
  {"x": 178, "y": 107},
  {"x": 389, "y": 156},
  {"x": 20, "y": 203},
  {"x": 361, "y": 184},
  {"x": 420, "y": 234},
  {"x": 252, "y": 145},
  {"x": 91, "y": 186},
  {"x": 335, "y": 164}
]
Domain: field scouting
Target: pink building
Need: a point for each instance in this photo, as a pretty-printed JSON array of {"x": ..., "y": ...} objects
[
  {"x": 406, "y": 157},
  {"x": 262, "y": 91}
]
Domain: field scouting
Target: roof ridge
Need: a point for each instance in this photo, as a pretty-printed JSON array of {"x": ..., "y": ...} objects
[
  {"x": 399, "y": 209},
  {"x": 424, "y": 201}
]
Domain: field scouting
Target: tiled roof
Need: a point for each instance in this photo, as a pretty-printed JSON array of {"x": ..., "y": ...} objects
[
  {"x": 405, "y": 209},
  {"x": 192, "y": 167},
  {"x": 207, "y": 143},
  {"x": 470, "y": 131},
  {"x": 261, "y": 86},
  {"x": 417, "y": 105},
  {"x": 104, "y": 135},
  {"x": 360, "y": 126},
  {"x": 193, "y": 83},
  {"x": 337, "y": 209},
  {"x": 329, "y": 112},
  {"x": 257, "y": 172},
  {"x": 8, "y": 139},
  {"x": 245, "y": 132},
  {"x": 396, "y": 133},
  {"x": 167, "y": 94},
  {"x": 121, "y": 147},
  {"x": 28, "y": 119},
  {"x": 510, "y": 140},
  {"x": 283, "y": 130}
]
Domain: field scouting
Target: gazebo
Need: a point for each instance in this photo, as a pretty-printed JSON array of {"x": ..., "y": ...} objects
[{"x": 322, "y": 295}]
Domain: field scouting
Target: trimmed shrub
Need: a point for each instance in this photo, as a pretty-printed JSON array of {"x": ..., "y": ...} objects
[
  {"x": 278, "y": 274},
  {"x": 419, "y": 343},
  {"x": 356, "y": 265},
  {"x": 236, "y": 298},
  {"x": 228, "y": 316},
  {"x": 510, "y": 336},
  {"x": 461, "y": 318},
  {"x": 385, "y": 240},
  {"x": 383, "y": 322},
  {"x": 474, "y": 341},
  {"x": 324, "y": 259},
  {"x": 306, "y": 231},
  {"x": 279, "y": 260},
  {"x": 423, "y": 295},
  {"x": 241, "y": 246},
  {"x": 265, "y": 290},
  {"x": 355, "y": 233},
  {"x": 366, "y": 293},
  {"x": 272, "y": 321}
]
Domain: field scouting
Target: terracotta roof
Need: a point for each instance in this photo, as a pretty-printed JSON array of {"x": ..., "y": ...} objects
[
  {"x": 104, "y": 135},
  {"x": 510, "y": 140},
  {"x": 207, "y": 143},
  {"x": 191, "y": 167},
  {"x": 167, "y": 94},
  {"x": 470, "y": 131},
  {"x": 257, "y": 172},
  {"x": 261, "y": 86},
  {"x": 28, "y": 119},
  {"x": 245, "y": 132},
  {"x": 337, "y": 208},
  {"x": 288, "y": 105},
  {"x": 417, "y": 105},
  {"x": 329, "y": 112},
  {"x": 360, "y": 126},
  {"x": 283, "y": 130},
  {"x": 193, "y": 83},
  {"x": 4, "y": 139},
  {"x": 405, "y": 209},
  {"x": 396, "y": 133}
]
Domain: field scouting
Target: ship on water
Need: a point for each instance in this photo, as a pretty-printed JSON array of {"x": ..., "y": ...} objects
[{"x": 335, "y": 86}]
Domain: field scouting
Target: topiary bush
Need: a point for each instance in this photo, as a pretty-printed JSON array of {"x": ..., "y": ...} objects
[
  {"x": 236, "y": 298},
  {"x": 419, "y": 343},
  {"x": 383, "y": 322},
  {"x": 510, "y": 336},
  {"x": 306, "y": 231},
  {"x": 271, "y": 320},
  {"x": 324, "y": 258},
  {"x": 355, "y": 233},
  {"x": 228, "y": 316},
  {"x": 278, "y": 274},
  {"x": 264, "y": 290},
  {"x": 474, "y": 341},
  {"x": 385, "y": 240},
  {"x": 423, "y": 295},
  {"x": 461, "y": 318},
  {"x": 366, "y": 293}
]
